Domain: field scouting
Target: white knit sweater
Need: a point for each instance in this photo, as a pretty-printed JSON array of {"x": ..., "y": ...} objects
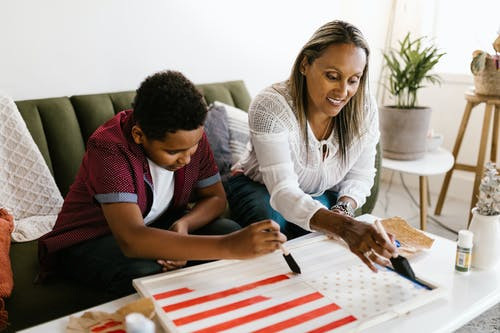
[{"x": 277, "y": 157}]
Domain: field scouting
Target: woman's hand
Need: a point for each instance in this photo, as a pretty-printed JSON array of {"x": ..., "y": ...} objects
[
  {"x": 367, "y": 243},
  {"x": 362, "y": 238},
  {"x": 169, "y": 265},
  {"x": 256, "y": 239}
]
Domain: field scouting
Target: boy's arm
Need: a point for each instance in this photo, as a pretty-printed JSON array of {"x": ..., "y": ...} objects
[
  {"x": 210, "y": 204},
  {"x": 139, "y": 241}
]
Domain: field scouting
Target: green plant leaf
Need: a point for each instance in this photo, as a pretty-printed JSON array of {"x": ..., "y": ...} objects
[
  {"x": 478, "y": 63},
  {"x": 408, "y": 67}
]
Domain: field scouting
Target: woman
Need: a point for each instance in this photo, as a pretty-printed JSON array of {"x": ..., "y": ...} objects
[{"x": 313, "y": 146}]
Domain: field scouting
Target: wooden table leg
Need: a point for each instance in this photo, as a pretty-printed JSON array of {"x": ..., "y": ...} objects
[
  {"x": 428, "y": 191},
  {"x": 481, "y": 156},
  {"x": 423, "y": 202},
  {"x": 456, "y": 149},
  {"x": 494, "y": 135}
]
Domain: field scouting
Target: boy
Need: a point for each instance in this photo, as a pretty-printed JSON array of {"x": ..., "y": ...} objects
[{"x": 125, "y": 215}]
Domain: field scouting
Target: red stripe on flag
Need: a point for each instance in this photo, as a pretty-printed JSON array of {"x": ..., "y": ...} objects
[
  {"x": 335, "y": 324},
  {"x": 220, "y": 310},
  {"x": 224, "y": 293},
  {"x": 172, "y": 293},
  {"x": 106, "y": 325},
  {"x": 299, "y": 319},
  {"x": 262, "y": 313}
]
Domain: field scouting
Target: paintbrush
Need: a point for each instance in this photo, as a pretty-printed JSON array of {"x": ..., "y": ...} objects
[
  {"x": 290, "y": 260},
  {"x": 400, "y": 263}
]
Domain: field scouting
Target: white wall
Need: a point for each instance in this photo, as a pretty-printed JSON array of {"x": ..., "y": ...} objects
[
  {"x": 457, "y": 28},
  {"x": 64, "y": 47}
]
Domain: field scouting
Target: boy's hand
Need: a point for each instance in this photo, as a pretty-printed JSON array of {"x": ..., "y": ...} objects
[
  {"x": 169, "y": 265},
  {"x": 180, "y": 226},
  {"x": 256, "y": 239}
]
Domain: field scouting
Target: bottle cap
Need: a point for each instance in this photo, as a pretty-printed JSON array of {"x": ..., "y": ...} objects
[
  {"x": 137, "y": 323},
  {"x": 465, "y": 238}
]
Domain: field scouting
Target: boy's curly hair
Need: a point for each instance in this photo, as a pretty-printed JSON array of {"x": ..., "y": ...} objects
[{"x": 167, "y": 102}]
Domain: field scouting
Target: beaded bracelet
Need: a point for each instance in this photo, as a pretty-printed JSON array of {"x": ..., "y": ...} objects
[{"x": 345, "y": 207}]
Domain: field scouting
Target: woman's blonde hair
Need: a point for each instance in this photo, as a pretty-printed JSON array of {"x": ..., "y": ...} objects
[{"x": 348, "y": 123}]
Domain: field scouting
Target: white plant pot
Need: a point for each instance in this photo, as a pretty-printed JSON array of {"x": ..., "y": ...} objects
[
  {"x": 403, "y": 132},
  {"x": 486, "y": 240}
]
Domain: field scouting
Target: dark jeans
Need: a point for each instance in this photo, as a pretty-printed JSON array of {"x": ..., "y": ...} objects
[
  {"x": 249, "y": 202},
  {"x": 101, "y": 263}
]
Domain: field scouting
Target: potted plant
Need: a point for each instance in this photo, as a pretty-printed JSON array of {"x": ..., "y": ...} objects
[
  {"x": 486, "y": 70},
  {"x": 404, "y": 126},
  {"x": 485, "y": 223}
]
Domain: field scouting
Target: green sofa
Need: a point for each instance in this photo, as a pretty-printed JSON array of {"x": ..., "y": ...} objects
[{"x": 60, "y": 127}]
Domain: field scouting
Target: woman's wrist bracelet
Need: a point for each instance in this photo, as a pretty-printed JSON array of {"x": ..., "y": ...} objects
[{"x": 345, "y": 207}]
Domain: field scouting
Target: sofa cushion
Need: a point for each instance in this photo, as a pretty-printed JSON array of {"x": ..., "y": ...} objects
[
  {"x": 239, "y": 133},
  {"x": 93, "y": 110},
  {"x": 232, "y": 93},
  {"x": 217, "y": 130}
]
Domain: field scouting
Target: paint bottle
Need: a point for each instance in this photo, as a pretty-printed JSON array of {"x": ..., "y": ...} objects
[
  {"x": 137, "y": 323},
  {"x": 464, "y": 251}
]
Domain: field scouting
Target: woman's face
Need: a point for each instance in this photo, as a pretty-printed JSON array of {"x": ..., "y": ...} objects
[{"x": 333, "y": 78}]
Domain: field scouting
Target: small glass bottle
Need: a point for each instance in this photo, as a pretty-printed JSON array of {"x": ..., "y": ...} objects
[{"x": 464, "y": 251}]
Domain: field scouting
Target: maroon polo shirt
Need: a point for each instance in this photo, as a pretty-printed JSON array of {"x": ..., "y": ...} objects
[{"x": 115, "y": 169}]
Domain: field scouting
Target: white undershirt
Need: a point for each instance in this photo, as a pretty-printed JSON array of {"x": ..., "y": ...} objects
[{"x": 163, "y": 190}]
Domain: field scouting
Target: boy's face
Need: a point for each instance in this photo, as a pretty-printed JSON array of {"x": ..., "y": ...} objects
[{"x": 174, "y": 151}]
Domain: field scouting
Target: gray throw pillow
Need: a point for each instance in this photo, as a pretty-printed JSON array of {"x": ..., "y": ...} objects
[
  {"x": 217, "y": 131},
  {"x": 239, "y": 134}
]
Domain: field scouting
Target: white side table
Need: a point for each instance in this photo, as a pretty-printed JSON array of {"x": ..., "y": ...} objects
[{"x": 433, "y": 163}]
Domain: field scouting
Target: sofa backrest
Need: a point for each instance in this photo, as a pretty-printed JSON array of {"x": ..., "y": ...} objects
[{"x": 61, "y": 126}]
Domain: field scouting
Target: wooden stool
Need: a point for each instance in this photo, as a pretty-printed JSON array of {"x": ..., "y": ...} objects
[{"x": 472, "y": 101}]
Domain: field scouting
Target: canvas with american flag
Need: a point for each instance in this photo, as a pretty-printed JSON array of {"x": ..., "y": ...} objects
[{"x": 335, "y": 293}]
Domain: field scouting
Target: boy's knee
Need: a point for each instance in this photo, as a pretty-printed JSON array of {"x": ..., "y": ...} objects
[
  {"x": 220, "y": 226},
  {"x": 119, "y": 283},
  {"x": 228, "y": 226}
]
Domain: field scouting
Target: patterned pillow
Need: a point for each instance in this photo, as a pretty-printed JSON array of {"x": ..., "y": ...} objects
[
  {"x": 239, "y": 134},
  {"x": 217, "y": 131}
]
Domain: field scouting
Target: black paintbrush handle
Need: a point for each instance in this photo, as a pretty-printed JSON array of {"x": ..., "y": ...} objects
[
  {"x": 402, "y": 266},
  {"x": 292, "y": 263},
  {"x": 290, "y": 260}
]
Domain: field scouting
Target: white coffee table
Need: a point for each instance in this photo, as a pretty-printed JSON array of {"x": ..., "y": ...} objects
[
  {"x": 467, "y": 295},
  {"x": 433, "y": 163}
]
